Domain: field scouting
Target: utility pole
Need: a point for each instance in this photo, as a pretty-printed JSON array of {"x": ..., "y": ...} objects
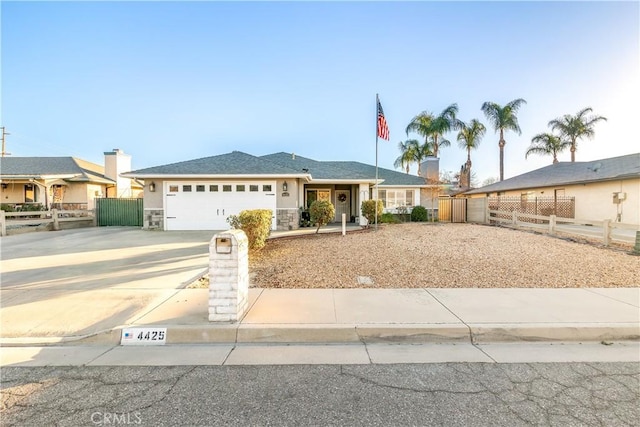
[{"x": 3, "y": 139}]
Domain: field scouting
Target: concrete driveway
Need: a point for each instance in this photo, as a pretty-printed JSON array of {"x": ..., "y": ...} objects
[{"x": 84, "y": 281}]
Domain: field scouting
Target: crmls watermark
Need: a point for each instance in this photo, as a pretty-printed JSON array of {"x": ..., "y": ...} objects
[{"x": 116, "y": 418}]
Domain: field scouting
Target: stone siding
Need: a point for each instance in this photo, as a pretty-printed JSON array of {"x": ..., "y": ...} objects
[
  {"x": 288, "y": 219},
  {"x": 153, "y": 219}
]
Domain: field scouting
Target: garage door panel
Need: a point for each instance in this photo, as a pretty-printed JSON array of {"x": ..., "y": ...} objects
[{"x": 209, "y": 210}]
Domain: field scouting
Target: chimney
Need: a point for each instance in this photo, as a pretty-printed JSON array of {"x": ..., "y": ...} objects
[
  {"x": 115, "y": 163},
  {"x": 430, "y": 169}
]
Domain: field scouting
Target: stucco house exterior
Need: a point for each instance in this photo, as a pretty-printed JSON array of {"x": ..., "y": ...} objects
[
  {"x": 65, "y": 182},
  {"x": 201, "y": 194},
  {"x": 603, "y": 189}
]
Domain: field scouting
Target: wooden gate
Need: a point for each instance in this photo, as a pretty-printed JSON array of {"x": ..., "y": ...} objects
[
  {"x": 452, "y": 209},
  {"x": 123, "y": 212}
]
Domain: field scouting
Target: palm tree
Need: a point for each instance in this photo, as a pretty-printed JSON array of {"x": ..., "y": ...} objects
[
  {"x": 469, "y": 138},
  {"x": 421, "y": 124},
  {"x": 547, "y": 144},
  {"x": 575, "y": 127},
  {"x": 503, "y": 118},
  {"x": 408, "y": 153},
  {"x": 428, "y": 125}
]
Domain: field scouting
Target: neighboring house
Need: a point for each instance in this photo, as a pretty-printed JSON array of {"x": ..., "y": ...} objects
[
  {"x": 201, "y": 194},
  {"x": 603, "y": 189},
  {"x": 65, "y": 182}
]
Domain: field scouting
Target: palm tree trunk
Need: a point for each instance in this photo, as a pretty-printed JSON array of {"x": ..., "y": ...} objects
[
  {"x": 573, "y": 151},
  {"x": 501, "y": 143}
]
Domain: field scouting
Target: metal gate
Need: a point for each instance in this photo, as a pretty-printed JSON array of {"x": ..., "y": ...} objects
[
  {"x": 121, "y": 212},
  {"x": 452, "y": 209}
]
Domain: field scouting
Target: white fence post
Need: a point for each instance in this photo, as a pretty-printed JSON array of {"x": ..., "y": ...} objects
[
  {"x": 552, "y": 224},
  {"x": 514, "y": 215},
  {"x": 3, "y": 224},
  {"x": 606, "y": 232},
  {"x": 344, "y": 224},
  {"x": 487, "y": 214}
]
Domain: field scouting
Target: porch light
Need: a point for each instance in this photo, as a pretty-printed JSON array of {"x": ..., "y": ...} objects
[
  {"x": 152, "y": 187},
  {"x": 284, "y": 186},
  {"x": 4, "y": 185}
]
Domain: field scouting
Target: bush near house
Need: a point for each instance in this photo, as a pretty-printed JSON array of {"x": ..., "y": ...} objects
[
  {"x": 321, "y": 212},
  {"x": 389, "y": 218},
  {"x": 256, "y": 224},
  {"x": 368, "y": 208},
  {"x": 419, "y": 214}
]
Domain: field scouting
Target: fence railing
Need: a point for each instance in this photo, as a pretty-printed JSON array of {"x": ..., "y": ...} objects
[
  {"x": 605, "y": 230},
  {"x": 54, "y": 216},
  {"x": 562, "y": 206}
]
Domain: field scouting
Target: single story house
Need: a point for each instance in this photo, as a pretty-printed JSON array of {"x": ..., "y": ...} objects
[
  {"x": 201, "y": 194},
  {"x": 603, "y": 189},
  {"x": 65, "y": 182}
]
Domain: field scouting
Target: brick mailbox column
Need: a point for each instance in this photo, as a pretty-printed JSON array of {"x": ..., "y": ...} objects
[{"x": 228, "y": 276}]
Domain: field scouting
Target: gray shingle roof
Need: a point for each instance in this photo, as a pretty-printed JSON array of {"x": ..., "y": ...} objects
[
  {"x": 279, "y": 164},
  {"x": 390, "y": 177},
  {"x": 565, "y": 173},
  {"x": 317, "y": 169},
  {"x": 36, "y": 167},
  {"x": 234, "y": 163},
  {"x": 344, "y": 170}
]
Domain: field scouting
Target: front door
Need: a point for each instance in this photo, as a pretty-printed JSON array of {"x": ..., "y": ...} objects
[{"x": 343, "y": 205}]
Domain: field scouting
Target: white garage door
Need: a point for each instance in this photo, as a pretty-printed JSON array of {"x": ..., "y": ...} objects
[{"x": 206, "y": 205}]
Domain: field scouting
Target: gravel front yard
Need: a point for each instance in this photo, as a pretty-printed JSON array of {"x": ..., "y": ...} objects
[{"x": 439, "y": 256}]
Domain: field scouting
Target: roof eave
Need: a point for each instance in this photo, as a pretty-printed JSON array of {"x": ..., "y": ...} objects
[
  {"x": 345, "y": 181},
  {"x": 214, "y": 176}
]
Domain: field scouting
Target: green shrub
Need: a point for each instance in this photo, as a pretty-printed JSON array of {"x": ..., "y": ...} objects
[
  {"x": 389, "y": 218},
  {"x": 419, "y": 214},
  {"x": 7, "y": 207},
  {"x": 368, "y": 208},
  {"x": 256, "y": 224},
  {"x": 32, "y": 207},
  {"x": 322, "y": 212}
]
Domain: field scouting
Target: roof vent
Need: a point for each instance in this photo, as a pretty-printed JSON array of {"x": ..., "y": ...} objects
[
  {"x": 305, "y": 170},
  {"x": 596, "y": 167},
  {"x": 293, "y": 156}
]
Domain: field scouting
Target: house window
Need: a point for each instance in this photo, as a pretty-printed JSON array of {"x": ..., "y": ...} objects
[
  {"x": 529, "y": 195},
  {"x": 213, "y": 188},
  {"x": 186, "y": 188},
  {"x": 253, "y": 188},
  {"x": 396, "y": 198},
  {"x": 240, "y": 188},
  {"x": 29, "y": 193},
  {"x": 266, "y": 187},
  {"x": 200, "y": 188},
  {"x": 173, "y": 188},
  {"x": 226, "y": 188},
  {"x": 313, "y": 195}
]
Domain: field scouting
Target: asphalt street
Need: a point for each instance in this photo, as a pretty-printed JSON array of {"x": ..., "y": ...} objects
[{"x": 449, "y": 394}]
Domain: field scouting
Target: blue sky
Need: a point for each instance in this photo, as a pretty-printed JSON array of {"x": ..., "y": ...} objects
[{"x": 167, "y": 81}]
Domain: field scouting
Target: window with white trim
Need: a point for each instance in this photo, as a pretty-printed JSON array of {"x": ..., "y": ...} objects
[{"x": 393, "y": 198}]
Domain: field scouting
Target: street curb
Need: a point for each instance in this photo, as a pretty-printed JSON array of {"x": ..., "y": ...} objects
[{"x": 366, "y": 333}]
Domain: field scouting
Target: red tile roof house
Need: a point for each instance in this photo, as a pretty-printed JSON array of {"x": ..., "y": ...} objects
[
  {"x": 65, "y": 182},
  {"x": 201, "y": 194}
]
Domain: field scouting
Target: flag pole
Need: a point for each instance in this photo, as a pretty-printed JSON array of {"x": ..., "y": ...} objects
[{"x": 376, "y": 184}]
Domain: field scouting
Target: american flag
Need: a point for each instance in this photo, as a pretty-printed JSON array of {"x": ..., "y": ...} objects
[{"x": 383, "y": 129}]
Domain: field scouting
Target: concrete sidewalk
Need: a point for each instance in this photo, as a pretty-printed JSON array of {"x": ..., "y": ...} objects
[
  {"x": 84, "y": 286},
  {"x": 381, "y": 316}
]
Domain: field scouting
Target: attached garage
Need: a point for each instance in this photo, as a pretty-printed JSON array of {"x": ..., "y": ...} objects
[{"x": 206, "y": 205}]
